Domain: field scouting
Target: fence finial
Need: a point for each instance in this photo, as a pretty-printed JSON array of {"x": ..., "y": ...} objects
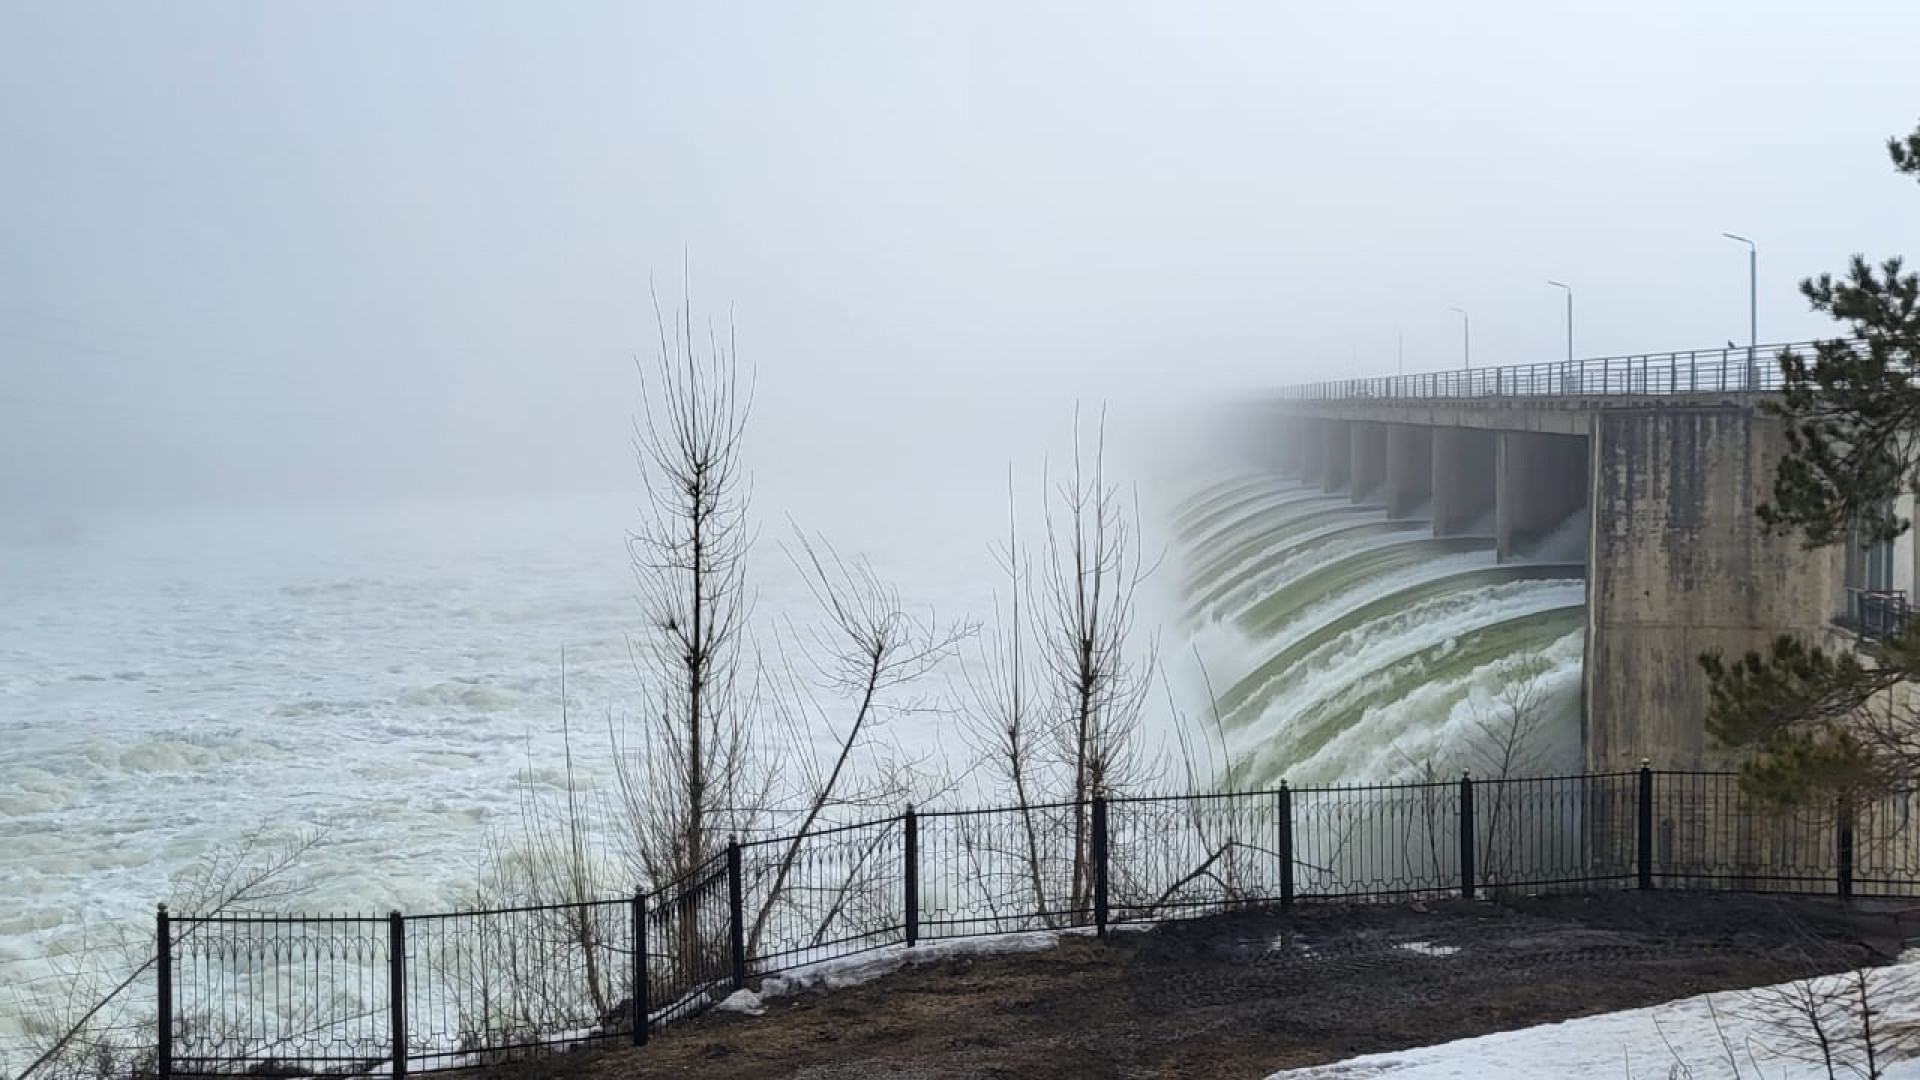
[{"x": 1646, "y": 763}]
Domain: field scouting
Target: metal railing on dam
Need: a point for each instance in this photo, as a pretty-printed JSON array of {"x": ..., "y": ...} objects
[{"x": 1698, "y": 371}]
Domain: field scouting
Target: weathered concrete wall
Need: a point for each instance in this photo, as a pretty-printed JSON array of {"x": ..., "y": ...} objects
[
  {"x": 1463, "y": 479},
  {"x": 1337, "y": 455},
  {"x": 1678, "y": 565},
  {"x": 1409, "y": 469},
  {"x": 1368, "y": 458},
  {"x": 1540, "y": 481}
]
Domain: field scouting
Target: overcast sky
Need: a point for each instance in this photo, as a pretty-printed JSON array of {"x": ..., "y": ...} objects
[{"x": 254, "y": 250}]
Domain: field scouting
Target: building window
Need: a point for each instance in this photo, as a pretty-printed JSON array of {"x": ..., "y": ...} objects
[{"x": 1880, "y": 566}]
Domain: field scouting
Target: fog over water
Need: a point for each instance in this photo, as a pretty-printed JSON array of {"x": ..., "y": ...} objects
[{"x": 318, "y": 329}]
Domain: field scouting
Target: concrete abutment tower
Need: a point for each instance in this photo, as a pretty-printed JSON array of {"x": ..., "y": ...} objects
[{"x": 1666, "y": 490}]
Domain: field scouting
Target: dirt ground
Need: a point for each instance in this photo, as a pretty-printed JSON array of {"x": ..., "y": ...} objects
[{"x": 1245, "y": 995}]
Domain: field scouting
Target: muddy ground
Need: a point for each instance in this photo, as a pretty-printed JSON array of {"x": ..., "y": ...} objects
[{"x": 1247, "y": 994}]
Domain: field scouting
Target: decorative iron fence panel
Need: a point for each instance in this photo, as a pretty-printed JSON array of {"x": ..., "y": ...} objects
[
  {"x": 689, "y": 929},
  {"x": 1006, "y": 870},
  {"x": 298, "y": 993},
  {"x": 491, "y": 982},
  {"x": 829, "y": 893}
]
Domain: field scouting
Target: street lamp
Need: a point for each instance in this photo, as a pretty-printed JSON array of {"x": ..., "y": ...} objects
[
  {"x": 1466, "y": 339},
  {"x": 1569, "y": 291},
  {"x": 1753, "y": 300}
]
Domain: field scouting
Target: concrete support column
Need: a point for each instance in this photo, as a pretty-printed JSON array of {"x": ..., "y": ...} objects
[
  {"x": 1409, "y": 469},
  {"x": 1368, "y": 456},
  {"x": 1463, "y": 479},
  {"x": 1541, "y": 481},
  {"x": 1306, "y": 450},
  {"x": 1678, "y": 566},
  {"x": 1337, "y": 460}
]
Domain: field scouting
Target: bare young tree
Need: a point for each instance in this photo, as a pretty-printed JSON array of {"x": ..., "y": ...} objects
[
  {"x": 550, "y": 966},
  {"x": 864, "y": 652},
  {"x": 1099, "y": 683},
  {"x": 1002, "y": 717},
  {"x": 1837, "y": 1025},
  {"x": 1057, "y": 695},
  {"x": 1505, "y": 745},
  {"x": 688, "y": 780}
]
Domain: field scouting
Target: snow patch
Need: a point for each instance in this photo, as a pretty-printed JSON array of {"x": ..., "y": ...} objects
[
  {"x": 1428, "y": 948},
  {"x": 742, "y": 1001},
  {"x": 1722, "y": 1036}
]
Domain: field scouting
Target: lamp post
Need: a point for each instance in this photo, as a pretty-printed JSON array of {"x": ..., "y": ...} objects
[
  {"x": 1753, "y": 303},
  {"x": 1466, "y": 339},
  {"x": 1567, "y": 373},
  {"x": 1568, "y": 289}
]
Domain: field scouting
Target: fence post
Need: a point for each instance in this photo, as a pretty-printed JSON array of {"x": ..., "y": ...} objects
[
  {"x": 1466, "y": 835},
  {"x": 397, "y": 988},
  {"x": 1846, "y": 848},
  {"x": 736, "y": 914},
  {"x": 641, "y": 1006},
  {"x": 1643, "y": 827},
  {"x": 163, "y": 966},
  {"x": 1100, "y": 864},
  {"x": 913, "y": 876},
  {"x": 1285, "y": 799}
]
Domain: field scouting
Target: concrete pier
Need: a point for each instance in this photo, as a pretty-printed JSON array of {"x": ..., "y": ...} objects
[
  {"x": 1409, "y": 469},
  {"x": 1540, "y": 482},
  {"x": 1368, "y": 460},
  {"x": 1677, "y": 564},
  {"x": 1463, "y": 480}
]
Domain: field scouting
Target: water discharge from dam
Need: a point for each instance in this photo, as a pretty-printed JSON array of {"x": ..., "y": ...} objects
[{"x": 1341, "y": 646}]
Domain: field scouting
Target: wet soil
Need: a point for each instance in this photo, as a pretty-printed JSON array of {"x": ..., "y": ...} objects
[{"x": 1246, "y": 994}]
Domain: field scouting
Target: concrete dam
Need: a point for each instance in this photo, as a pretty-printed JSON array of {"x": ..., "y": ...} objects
[{"x": 1392, "y": 569}]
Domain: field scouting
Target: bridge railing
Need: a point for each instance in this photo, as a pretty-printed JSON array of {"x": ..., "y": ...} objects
[
  {"x": 1698, "y": 371},
  {"x": 1877, "y": 613}
]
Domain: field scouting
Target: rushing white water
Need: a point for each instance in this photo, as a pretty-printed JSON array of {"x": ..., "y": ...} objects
[
  {"x": 390, "y": 675},
  {"x": 1340, "y": 646}
]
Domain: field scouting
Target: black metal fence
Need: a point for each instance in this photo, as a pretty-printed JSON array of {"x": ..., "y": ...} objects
[{"x": 356, "y": 995}]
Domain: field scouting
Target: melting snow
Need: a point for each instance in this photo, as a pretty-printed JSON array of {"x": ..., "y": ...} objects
[{"x": 1731, "y": 1034}]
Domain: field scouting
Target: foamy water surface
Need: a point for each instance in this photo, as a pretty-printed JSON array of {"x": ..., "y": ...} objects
[{"x": 384, "y": 675}]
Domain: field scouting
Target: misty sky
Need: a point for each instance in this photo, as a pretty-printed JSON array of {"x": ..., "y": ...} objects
[{"x": 274, "y": 250}]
